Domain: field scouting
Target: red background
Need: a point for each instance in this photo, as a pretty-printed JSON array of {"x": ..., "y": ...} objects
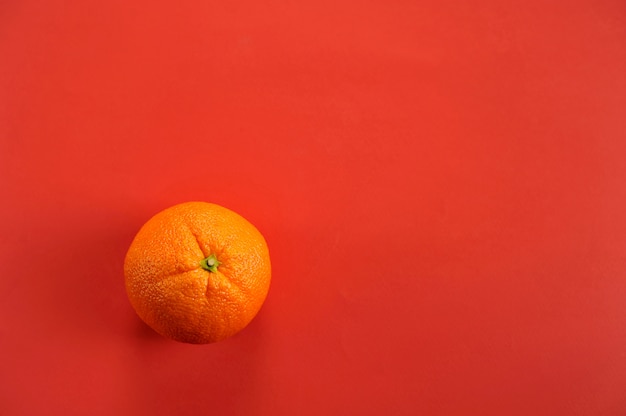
[{"x": 442, "y": 186}]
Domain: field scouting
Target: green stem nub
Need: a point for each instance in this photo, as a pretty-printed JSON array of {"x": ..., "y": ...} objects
[{"x": 210, "y": 263}]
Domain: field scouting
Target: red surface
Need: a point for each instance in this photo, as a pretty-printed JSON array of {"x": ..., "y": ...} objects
[{"x": 442, "y": 187}]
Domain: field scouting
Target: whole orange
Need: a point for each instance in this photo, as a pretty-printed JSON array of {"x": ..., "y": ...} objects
[{"x": 197, "y": 272}]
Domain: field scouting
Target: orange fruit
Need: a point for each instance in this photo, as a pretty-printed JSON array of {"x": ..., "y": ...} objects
[{"x": 197, "y": 272}]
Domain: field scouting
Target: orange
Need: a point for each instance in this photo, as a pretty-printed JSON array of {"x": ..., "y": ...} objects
[{"x": 197, "y": 272}]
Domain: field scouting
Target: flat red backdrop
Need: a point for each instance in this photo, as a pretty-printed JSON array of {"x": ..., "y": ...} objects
[{"x": 442, "y": 186}]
